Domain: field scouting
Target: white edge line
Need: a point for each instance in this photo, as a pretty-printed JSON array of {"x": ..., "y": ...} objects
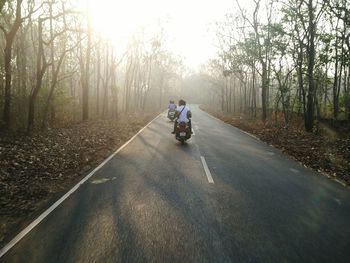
[
  {"x": 25, "y": 231},
  {"x": 206, "y": 170},
  {"x": 289, "y": 156},
  {"x": 249, "y": 134},
  {"x": 215, "y": 118}
]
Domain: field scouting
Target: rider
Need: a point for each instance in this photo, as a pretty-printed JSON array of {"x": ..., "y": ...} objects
[
  {"x": 183, "y": 114},
  {"x": 172, "y": 105}
]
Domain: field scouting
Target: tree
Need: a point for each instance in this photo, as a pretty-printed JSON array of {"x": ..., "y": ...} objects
[{"x": 10, "y": 35}]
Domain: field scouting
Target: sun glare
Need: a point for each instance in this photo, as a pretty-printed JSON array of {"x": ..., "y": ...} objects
[
  {"x": 184, "y": 22},
  {"x": 117, "y": 19}
]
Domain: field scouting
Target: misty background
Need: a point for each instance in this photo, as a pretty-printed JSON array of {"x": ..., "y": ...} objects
[{"x": 64, "y": 61}]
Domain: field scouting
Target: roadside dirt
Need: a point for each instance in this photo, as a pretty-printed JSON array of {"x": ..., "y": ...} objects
[
  {"x": 327, "y": 152},
  {"x": 37, "y": 170}
]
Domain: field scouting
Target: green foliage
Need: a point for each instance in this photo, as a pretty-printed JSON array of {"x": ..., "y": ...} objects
[
  {"x": 2, "y": 4},
  {"x": 345, "y": 100}
]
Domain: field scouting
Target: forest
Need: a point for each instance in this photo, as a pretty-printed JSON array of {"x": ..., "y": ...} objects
[
  {"x": 281, "y": 60},
  {"x": 85, "y": 130},
  {"x": 276, "y": 60},
  {"x": 56, "y": 70},
  {"x": 69, "y": 97}
]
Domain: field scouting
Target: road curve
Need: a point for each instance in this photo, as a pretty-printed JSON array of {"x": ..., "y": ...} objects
[{"x": 154, "y": 202}]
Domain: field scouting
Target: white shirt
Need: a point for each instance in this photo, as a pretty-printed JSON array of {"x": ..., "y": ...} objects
[{"x": 183, "y": 115}]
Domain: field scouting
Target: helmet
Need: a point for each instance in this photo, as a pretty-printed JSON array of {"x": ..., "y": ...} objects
[{"x": 182, "y": 102}]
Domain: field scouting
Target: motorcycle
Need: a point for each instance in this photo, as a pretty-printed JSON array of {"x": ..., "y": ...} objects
[
  {"x": 182, "y": 132},
  {"x": 172, "y": 115}
]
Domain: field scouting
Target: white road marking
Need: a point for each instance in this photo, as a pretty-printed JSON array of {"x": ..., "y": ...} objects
[
  {"x": 25, "y": 231},
  {"x": 102, "y": 180},
  {"x": 213, "y": 117},
  {"x": 247, "y": 133},
  {"x": 251, "y": 135},
  {"x": 206, "y": 170},
  {"x": 293, "y": 170},
  {"x": 337, "y": 201},
  {"x": 340, "y": 182},
  {"x": 193, "y": 133}
]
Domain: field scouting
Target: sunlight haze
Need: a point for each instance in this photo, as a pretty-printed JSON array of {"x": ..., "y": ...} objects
[
  {"x": 174, "y": 131},
  {"x": 187, "y": 25}
]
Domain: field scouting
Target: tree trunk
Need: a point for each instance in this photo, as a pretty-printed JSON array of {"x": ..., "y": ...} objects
[
  {"x": 309, "y": 121},
  {"x": 264, "y": 87},
  {"x": 41, "y": 67},
  {"x": 98, "y": 76},
  {"x": 9, "y": 39},
  {"x": 86, "y": 79},
  {"x": 8, "y": 78}
]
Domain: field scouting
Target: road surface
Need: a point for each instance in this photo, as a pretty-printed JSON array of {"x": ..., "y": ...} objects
[{"x": 222, "y": 197}]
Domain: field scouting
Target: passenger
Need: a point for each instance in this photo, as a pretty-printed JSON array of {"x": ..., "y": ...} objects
[{"x": 183, "y": 114}]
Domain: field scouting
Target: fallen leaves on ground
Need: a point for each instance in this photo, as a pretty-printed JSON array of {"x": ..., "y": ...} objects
[
  {"x": 321, "y": 152},
  {"x": 37, "y": 168}
]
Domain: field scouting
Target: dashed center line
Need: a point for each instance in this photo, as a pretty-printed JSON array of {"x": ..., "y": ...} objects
[
  {"x": 294, "y": 170},
  {"x": 41, "y": 217},
  {"x": 337, "y": 201},
  {"x": 207, "y": 171},
  {"x": 102, "y": 180}
]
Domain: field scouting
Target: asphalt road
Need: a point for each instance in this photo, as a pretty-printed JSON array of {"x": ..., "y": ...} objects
[{"x": 153, "y": 202}]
